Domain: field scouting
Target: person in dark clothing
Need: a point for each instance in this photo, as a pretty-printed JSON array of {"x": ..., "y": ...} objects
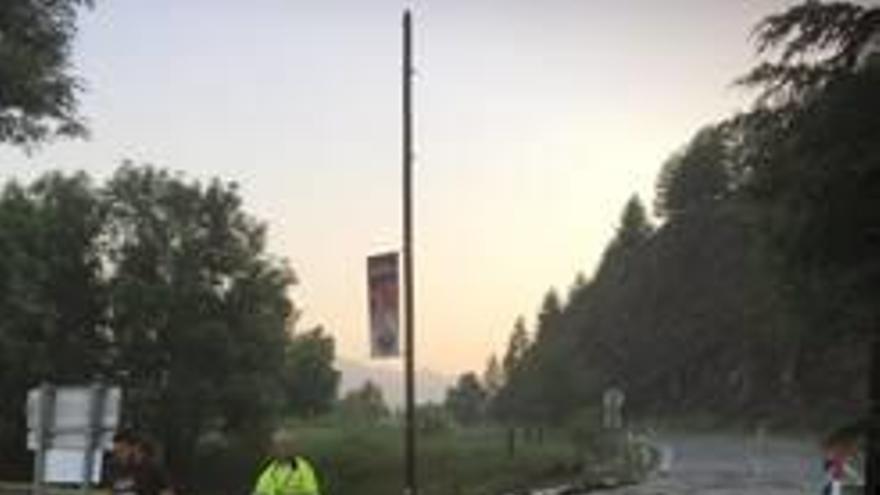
[{"x": 134, "y": 469}]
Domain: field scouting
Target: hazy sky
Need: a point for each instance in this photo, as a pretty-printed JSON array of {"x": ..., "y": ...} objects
[{"x": 536, "y": 120}]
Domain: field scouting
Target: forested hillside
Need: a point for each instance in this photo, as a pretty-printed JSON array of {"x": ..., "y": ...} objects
[{"x": 751, "y": 293}]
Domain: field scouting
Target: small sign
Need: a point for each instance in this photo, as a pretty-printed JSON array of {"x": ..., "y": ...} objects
[
  {"x": 612, "y": 408},
  {"x": 383, "y": 289},
  {"x": 68, "y": 428},
  {"x": 71, "y": 417},
  {"x": 66, "y": 466}
]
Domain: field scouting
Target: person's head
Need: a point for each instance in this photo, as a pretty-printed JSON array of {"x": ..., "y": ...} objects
[
  {"x": 143, "y": 450},
  {"x": 283, "y": 445},
  {"x": 123, "y": 445},
  {"x": 842, "y": 442}
]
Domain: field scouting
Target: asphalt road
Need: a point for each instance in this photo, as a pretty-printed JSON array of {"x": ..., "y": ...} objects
[{"x": 729, "y": 464}]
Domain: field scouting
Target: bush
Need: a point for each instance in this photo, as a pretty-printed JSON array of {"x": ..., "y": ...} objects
[
  {"x": 228, "y": 464},
  {"x": 584, "y": 430},
  {"x": 367, "y": 460}
]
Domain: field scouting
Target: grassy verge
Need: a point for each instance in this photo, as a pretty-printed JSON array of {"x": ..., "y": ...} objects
[
  {"x": 26, "y": 489},
  {"x": 369, "y": 460}
]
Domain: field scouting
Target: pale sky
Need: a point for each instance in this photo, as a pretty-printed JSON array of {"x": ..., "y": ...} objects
[{"x": 536, "y": 120}]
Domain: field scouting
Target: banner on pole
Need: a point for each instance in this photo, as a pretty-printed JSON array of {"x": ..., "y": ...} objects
[{"x": 383, "y": 287}]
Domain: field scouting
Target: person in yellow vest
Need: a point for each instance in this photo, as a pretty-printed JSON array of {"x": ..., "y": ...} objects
[{"x": 286, "y": 473}]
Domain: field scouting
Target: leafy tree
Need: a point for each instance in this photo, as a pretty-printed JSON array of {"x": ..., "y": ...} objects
[
  {"x": 38, "y": 93},
  {"x": 433, "y": 419},
  {"x": 365, "y": 404},
  {"x": 466, "y": 400},
  {"x": 199, "y": 311},
  {"x": 52, "y": 296},
  {"x": 310, "y": 381}
]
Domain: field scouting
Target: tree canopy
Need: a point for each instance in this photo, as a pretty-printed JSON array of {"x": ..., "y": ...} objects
[
  {"x": 39, "y": 94},
  {"x": 366, "y": 403},
  {"x": 466, "y": 400},
  {"x": 695, "y": 178}
]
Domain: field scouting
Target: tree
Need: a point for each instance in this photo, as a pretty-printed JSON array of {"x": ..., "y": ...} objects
[
  {"x": 466, "y": 400},
  {"x": 365, "y": 404},
  {"x": 433, "y": 419},
  {"x": 38, "y": 93},
  {"x": 549, "y": 316},
  {"x": 815, "y": 128},
  {"x": 632, "y": 233},
  {"x": 310, "y": 381},
  {"x": 817, "y": 43},
  {"x": 507, "y": 403},
  {"x": 547, "y": 388},
  {"x": 634, "y": 225},
  {"x": 199, "y": 311},
  {"x": 820, "y": 154},
  {"x": 578, "y": 288},
  {"x": 520, "y": 399},
  {"x": 493, "y": 377},
  {"x": 516, "y": 349},
  {"x": 52, "y": 296},
  {"x": 696, "y": 178}
]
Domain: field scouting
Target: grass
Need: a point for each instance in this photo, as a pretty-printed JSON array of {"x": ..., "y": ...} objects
[
  {"x": 368, "y": 460},
  {"x": 27, "y": 489}
]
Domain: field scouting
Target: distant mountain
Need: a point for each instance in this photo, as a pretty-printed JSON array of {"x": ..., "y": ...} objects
[{"x": 430, "y": 385}]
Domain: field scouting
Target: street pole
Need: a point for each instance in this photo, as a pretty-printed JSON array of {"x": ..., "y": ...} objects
[
  {"x": 872, "y": 468},
  {"x": 44, "y": 427},
  {"x": 95, "y": 434},
  {"x": 409, "y": 358}
]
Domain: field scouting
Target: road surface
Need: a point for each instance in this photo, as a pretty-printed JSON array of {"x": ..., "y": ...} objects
[{"x": 728, "y": 464}]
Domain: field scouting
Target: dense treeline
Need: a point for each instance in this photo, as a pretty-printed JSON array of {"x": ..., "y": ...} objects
[
  {"x": 161, "y": 286},
  {"x": 753, "y": 296}
]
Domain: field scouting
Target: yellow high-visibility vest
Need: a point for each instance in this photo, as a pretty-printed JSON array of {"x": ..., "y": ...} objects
[{"x": 288, "y": 477}]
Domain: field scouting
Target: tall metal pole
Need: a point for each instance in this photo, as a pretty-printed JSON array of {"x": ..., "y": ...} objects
[
  {"x": 409, "y": 359},
  {"x": 45, "y": 414},
  {"x": 97, "y": 403},
  {"x": 872, "y": 468}
]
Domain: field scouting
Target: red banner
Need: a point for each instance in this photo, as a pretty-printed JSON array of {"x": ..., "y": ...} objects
[{"x": 384, "y": 289}]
